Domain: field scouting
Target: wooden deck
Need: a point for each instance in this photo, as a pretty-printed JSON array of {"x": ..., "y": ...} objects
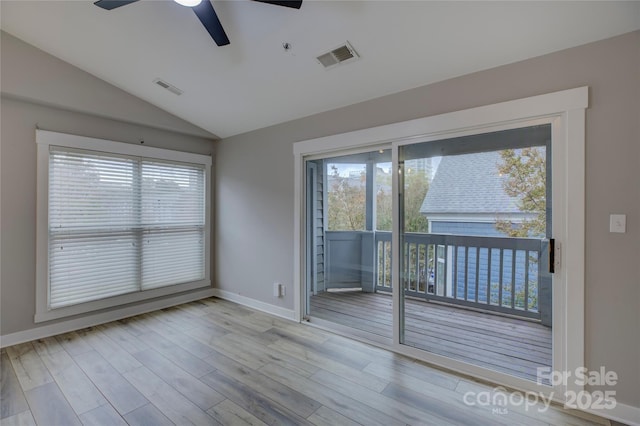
[{"x": 508, "y": 345}]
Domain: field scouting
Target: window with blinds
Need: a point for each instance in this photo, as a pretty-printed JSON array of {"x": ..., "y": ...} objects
[{"x": 120, "y": 224}]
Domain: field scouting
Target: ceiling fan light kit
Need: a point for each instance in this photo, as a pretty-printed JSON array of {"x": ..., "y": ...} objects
[
  {"x": 188, "y": 3},
  {"x": 204, "y": 11}
]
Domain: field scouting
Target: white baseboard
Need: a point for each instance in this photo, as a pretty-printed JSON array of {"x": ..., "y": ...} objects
[
  {"x": 100, "y": 318},
  {"x": 256, "y": 304},
  {"x": 623, "y": 413}
]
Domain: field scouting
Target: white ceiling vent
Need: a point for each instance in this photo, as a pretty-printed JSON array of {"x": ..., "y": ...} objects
[
  {"x": 170, "y": 87},
  {"x": 339, "y": 55}
]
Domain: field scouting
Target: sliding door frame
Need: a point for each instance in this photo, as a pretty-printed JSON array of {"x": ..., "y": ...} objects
[{"x": 565, "y": 111}]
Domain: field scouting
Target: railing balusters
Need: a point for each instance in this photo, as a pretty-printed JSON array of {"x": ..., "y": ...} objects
[
  {"x": 405, "y": 256},
  {"x": 407, "y": 265},
  {"x": 489, "y": 250},
  {"x": 466, "y": 273},
  {"x": 389, "y": 281},
  {"x": 377, "y": 263},
  {"x": 381, "y": 259},
  {"x": 384, "y": 263},
  {"x": 526, "y": 280},
  {"x": 436, "y": 274},
  {"x": 415, "y": 273},
  {"x": 380, "y": 263},
  {"x": 410, "y": 268},
  {"x": 500, "y": 279},
  {"x": 454, "y": 284},
  {"x": 477, "y": 272},
  {"x": 430, "y": 250},
  {"x": 446, "y": 270},
  {"x": 418, "y": 272},
  {"x": 514, "y": 253}
]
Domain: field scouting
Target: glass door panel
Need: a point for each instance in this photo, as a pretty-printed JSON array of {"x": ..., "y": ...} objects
[
  {"x": 475, "y": 217},
  {"x": 347, "y": 198}
]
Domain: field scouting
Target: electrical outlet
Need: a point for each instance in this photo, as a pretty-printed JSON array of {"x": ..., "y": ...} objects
[{"x": 276, "y": 289}]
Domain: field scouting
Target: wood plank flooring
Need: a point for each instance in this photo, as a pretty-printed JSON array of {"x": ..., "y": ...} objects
[
  {"x": 213, "y": 362},
  {"x": 509, "y": 345}
]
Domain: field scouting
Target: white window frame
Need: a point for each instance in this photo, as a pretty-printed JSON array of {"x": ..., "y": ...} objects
[
  {"x": 45, "y": 139},
  {"x": 565, "y": 111}
]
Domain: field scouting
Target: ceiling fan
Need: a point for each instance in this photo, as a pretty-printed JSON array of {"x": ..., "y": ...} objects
[{"x": 205, "y": 12}]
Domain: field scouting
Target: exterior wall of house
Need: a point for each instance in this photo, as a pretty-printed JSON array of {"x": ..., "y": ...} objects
[
  {"x": 39, "y": 90},
  {"x": 519, "y": 277},
  {"x": 484, "y": 229},
  {"x": 256, "y": 182},
  {"x": 481, "y": 229}
]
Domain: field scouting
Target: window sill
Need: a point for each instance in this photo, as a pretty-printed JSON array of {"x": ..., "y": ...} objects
[{"x": 118, "y": 301}]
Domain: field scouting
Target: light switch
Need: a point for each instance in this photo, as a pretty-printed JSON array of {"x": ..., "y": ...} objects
[{"x": 618, "y": 223}]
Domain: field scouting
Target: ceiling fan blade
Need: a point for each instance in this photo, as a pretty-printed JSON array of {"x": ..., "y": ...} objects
[
  {"x": 112, "y": 4},
  {"x": 210, "y": 20},
  {"x": 286, "y": 3}
]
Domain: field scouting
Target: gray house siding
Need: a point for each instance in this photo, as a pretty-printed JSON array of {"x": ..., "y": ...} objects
[
  {"x": 482, "y": 269},
  {"x": 480, "y": 229},
  {"x": 478, "y": 264}
]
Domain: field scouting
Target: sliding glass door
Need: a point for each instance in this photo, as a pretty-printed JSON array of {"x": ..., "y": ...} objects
[
  {"x": 348, "y": 216},
  {"x": 473, "y": 227},
  {"x": 475, "y": 216},
  {"x": 474, "y": 220},
  {"x": 469, "y": 247}
]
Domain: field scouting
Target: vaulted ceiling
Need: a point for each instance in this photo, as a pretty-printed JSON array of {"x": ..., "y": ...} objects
[{"x": 254, "y": 82}]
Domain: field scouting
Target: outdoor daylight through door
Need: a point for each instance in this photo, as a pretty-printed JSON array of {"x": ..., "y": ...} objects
[
  {"x": 475, "y": 216},
  {"x": 475, "y": 221},
  {"x": 348, "y": 215},
  {"x": 455, "y": 239}
]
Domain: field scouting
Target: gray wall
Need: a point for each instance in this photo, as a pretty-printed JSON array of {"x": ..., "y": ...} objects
[
  {"x": 254, "y": 212},
  {"x": 66, "y": 90}
]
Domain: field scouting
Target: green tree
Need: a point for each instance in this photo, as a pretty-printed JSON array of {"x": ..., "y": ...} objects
[
  {"x": 346, "y": 202},
  {"x": 383, "y": 201},
  {"x": 416, "y": 185},
  {"x": 525, "y": 172}
]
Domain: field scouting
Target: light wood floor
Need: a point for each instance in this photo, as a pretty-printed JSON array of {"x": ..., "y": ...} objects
[
  {"x": 214, "y": 362},
  {"x": 509, "y": 345}
]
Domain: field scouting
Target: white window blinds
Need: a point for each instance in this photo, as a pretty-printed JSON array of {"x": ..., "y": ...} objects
[{"x": 121, "y": 224}]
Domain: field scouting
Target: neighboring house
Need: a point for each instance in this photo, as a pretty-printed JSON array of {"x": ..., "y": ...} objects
[{"x": 466, "y": 197}]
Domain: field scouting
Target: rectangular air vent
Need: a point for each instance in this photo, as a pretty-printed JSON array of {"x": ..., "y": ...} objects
[
  {"x": 170, "y": 87},
  {"x": 339, "y": 55}
]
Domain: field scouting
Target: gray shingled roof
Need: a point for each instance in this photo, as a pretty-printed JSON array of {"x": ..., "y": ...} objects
[{"x": 468, "y": 183}]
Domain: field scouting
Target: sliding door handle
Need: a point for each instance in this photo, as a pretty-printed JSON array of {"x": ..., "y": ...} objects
[{"x": 552, "y": 255}]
